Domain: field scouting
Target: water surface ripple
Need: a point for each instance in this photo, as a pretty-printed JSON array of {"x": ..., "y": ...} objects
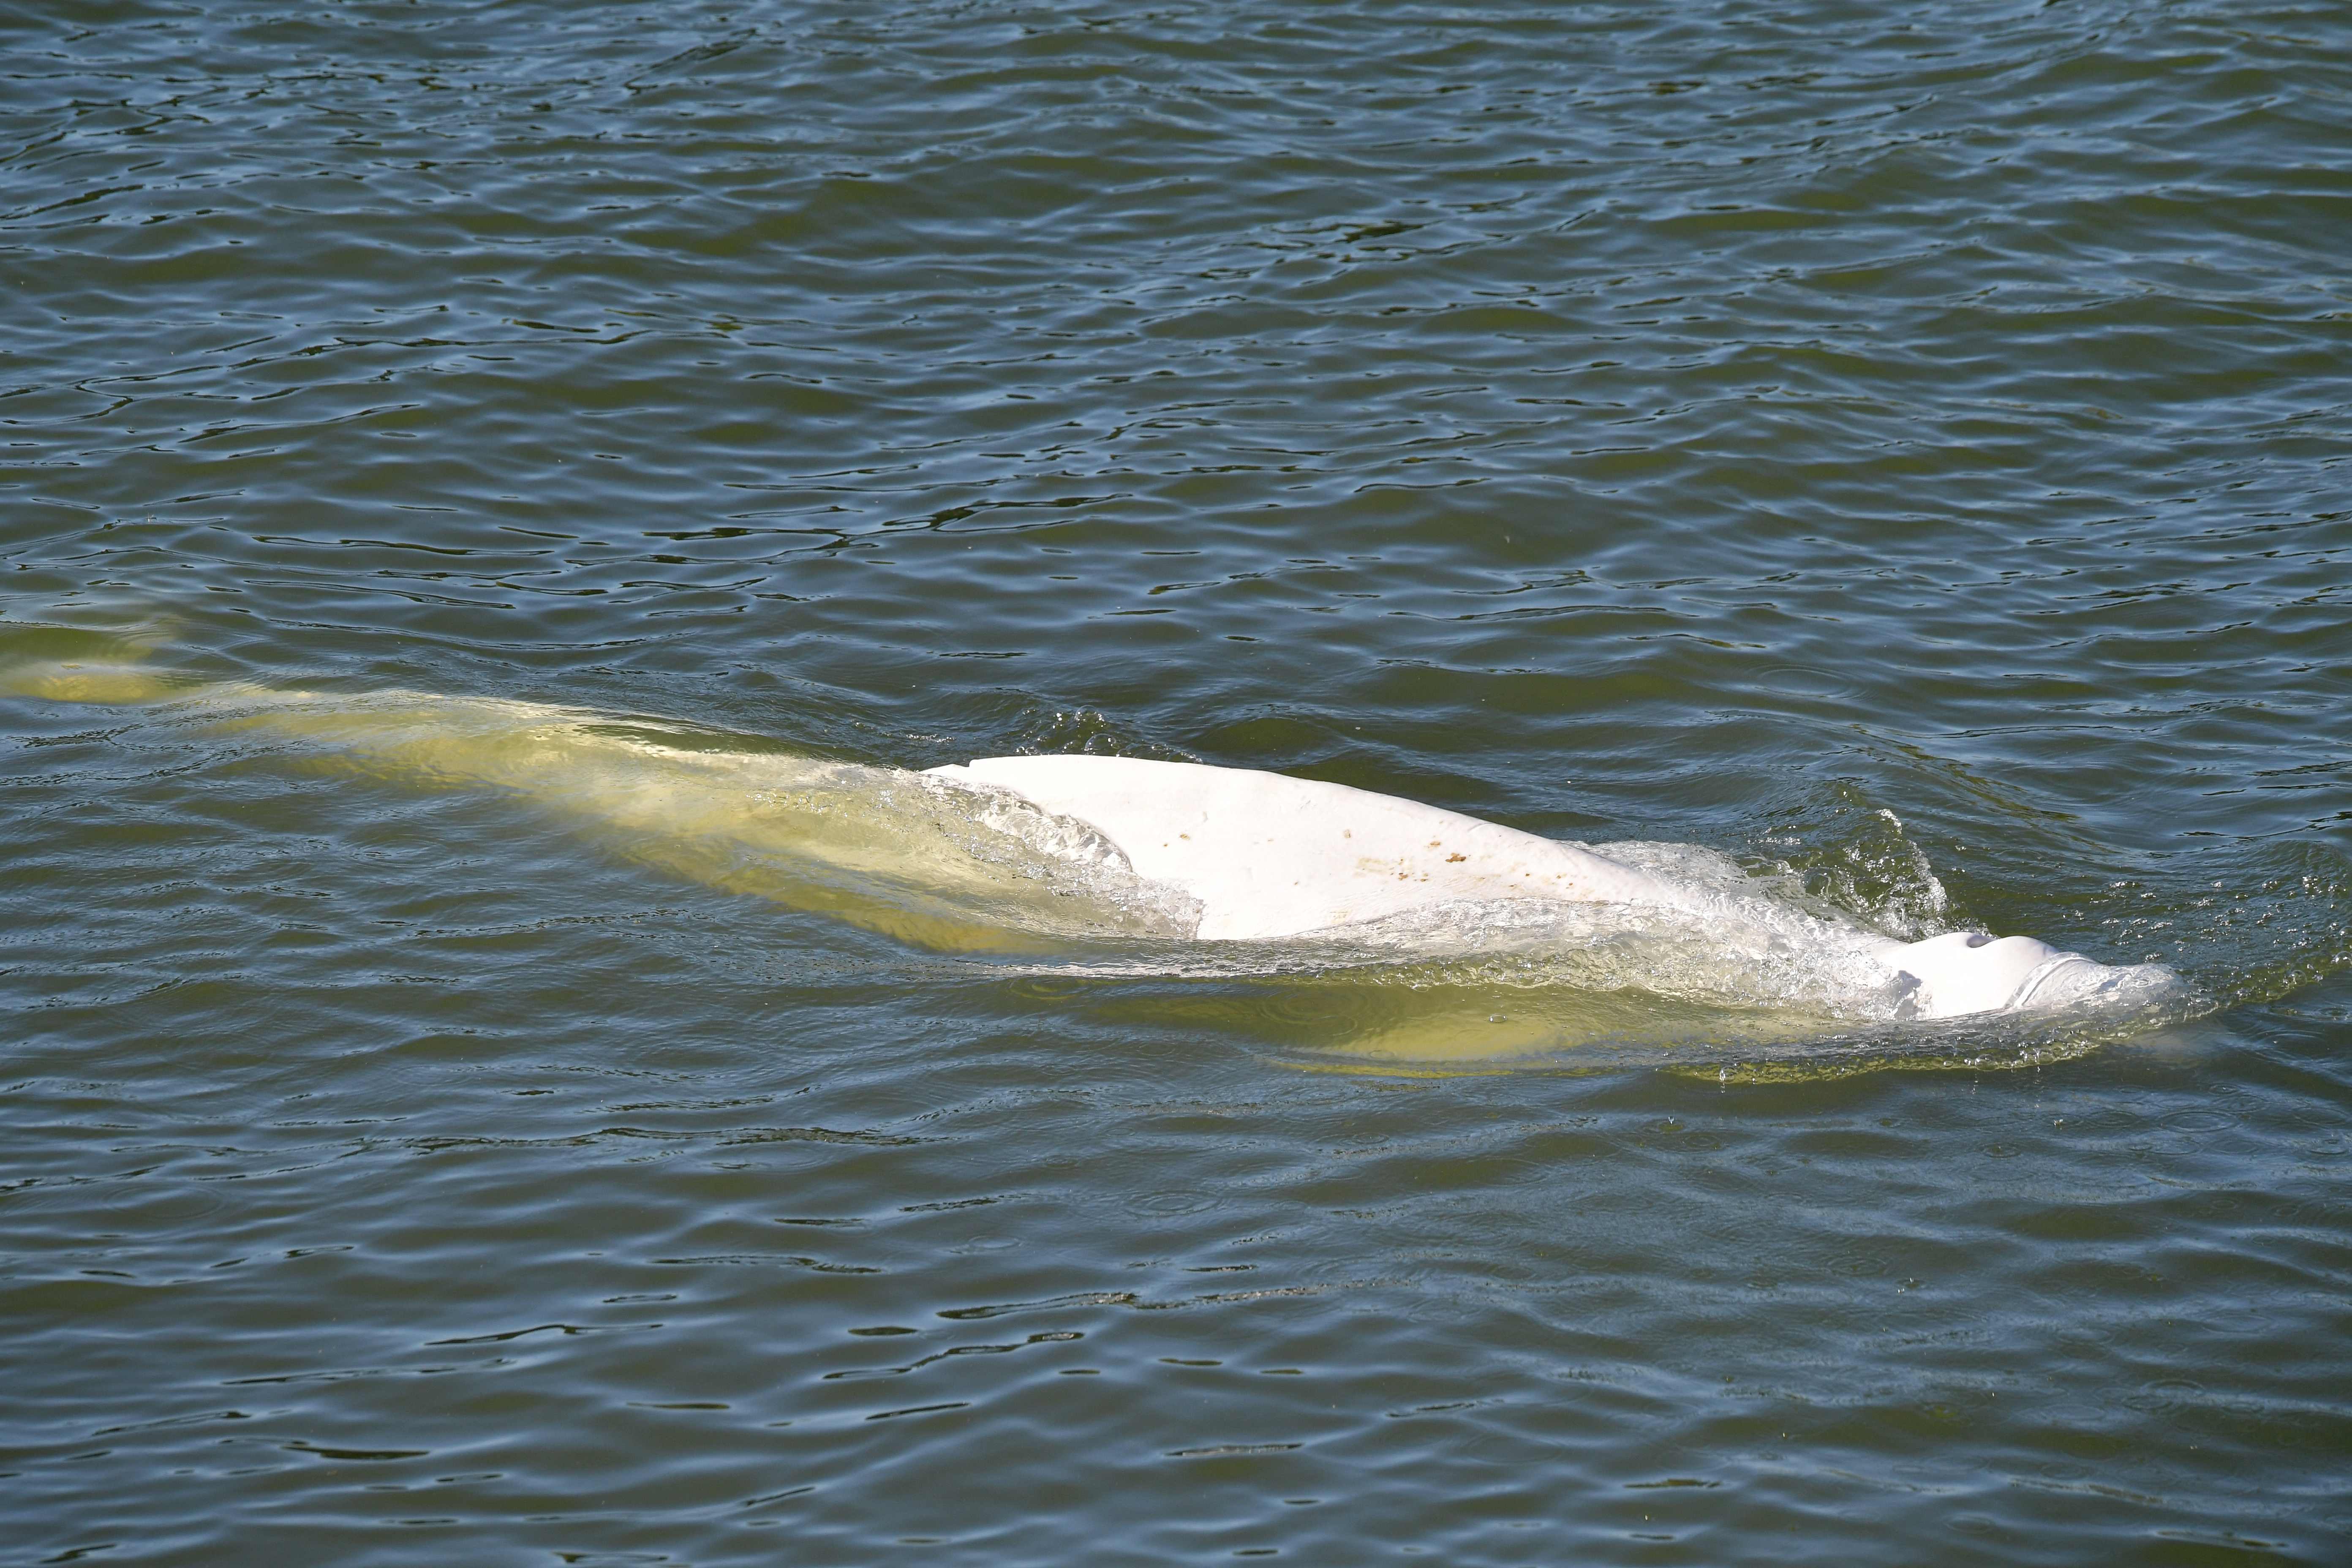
[{"x": 1902, "y": 449}]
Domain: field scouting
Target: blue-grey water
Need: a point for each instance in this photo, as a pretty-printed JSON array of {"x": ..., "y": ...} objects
[{"x": 1901, "y": 449}]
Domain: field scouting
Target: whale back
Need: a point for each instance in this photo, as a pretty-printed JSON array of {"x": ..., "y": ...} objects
[{"x": 1270, "y": 856}]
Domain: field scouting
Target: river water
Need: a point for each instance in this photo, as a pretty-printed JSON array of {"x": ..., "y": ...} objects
[{"x": 462, "y": 469}]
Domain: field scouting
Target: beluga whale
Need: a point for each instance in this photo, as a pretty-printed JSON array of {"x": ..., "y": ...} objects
[{"x": 1174, "y": 869}]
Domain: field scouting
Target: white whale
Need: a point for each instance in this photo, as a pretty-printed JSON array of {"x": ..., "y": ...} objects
[
  {"x": 1268, "y": 855},
  {"x": 1030, "y": 855}
]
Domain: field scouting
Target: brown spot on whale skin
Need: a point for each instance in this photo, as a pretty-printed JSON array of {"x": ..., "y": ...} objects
[{"x": 1451, "y": 859}]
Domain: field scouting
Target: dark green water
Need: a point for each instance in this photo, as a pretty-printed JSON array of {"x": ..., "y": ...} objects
[{"x": 1902, "y": 449}]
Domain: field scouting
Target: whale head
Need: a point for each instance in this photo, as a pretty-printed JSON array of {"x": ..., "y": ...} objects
[{"x": 1963, "y": 972}]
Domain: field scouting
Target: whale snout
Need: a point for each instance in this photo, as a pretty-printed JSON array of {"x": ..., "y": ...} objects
[{"x": 1966, "y": 972}]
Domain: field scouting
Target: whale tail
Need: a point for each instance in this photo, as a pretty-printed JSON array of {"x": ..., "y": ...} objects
[
  {"x": 113, "y": 685},
  {"x": 70, "y": 664}
]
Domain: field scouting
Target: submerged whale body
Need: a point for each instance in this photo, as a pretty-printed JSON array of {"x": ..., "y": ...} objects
[
  {"x": 1164, "y": 868},
  {"x": 1268, "y": 855}
]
